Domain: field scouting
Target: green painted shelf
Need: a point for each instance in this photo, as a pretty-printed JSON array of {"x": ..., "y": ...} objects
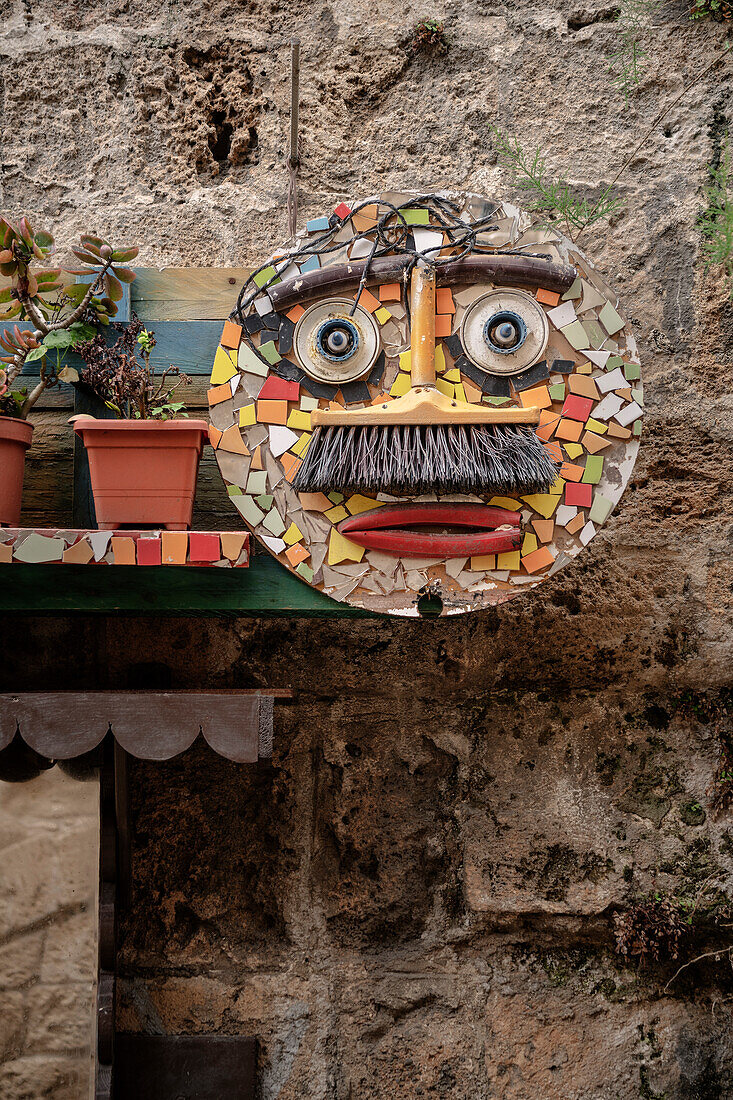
[{"x": 265, "y": 588}]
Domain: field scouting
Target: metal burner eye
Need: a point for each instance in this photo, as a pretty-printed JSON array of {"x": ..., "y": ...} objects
[
  {"x": 505, "y": 332},
  {"x": 337, "y": 339}
]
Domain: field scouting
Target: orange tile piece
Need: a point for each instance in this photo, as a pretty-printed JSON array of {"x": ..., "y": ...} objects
[
  {"x": 290, "y": 464},
  {"x": 444, "y": 300},
  {"x": 554, "y": 450},
  {"x": 174, "y": 549},
  {"x": 6, "y": 553},
  {"x": 231, "y": 440},
  {"x": 315, "y": 502},
  {"x": 617, "y": 432},
  {"x": 272, "y": 412},
  {"x": 80, "y": 553},
  {"x": 571, "y": 472},
  {"x": 380, "y": 399},
  {"x": 231, "y": 336},
  {"x": 594, "y": 443},
  {"x": 123, "y": 550},
  {"x": 583, "y": 386},
  {"x": 540, "y": 558},
  {"x": 538, "y": 396},
  {"x": 576, "y": 524},
  {"x": 256, "y": 463},
  {"x": 217, "y": 394},
  {"x": 368, "y": 301},
  {"x": 295, "y": 314},
  {"x": 548, "y": 422},
  {"x": 544, "y": 529},
  {"x": 547, "y": 297},
  {"x": 473, "y": 393},
  {"x": 231, "y": 544},
  {"x": 296, "y": 554},
  {"x": 443, "y": 325},
  {"x": 214, "y": 436},
  {"x": 390, "y": 292},
  {"x": 366, "y": 218},
  {"x": 569, "y": 429},
  {"x": 335, "y": 405},
  {"x": 625, "y": 392}
]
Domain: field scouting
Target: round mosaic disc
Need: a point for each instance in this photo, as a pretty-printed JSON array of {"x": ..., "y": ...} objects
[{"x": 523, "y": 321}]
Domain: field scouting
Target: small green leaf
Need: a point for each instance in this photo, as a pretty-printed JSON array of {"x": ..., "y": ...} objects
[
  {"x": 86, "y": 257},
  {"x": 6, "y": 295},
  {"x": 58, "y": 338},
  {"x": 43, "y": 239},
  {"x": 125, "y": 274},
  {"x": 82, "y": 331},
  {"x": 124, "y": 255},
  {"x": 11, "y": 311},
  {"x": 35, "y": 353}
]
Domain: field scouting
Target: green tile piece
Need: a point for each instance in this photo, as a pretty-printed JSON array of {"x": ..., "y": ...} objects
[
  {"x": 637, "y": 427},
  {"x": 336, "y": 498},
  {"x": 265, "y": 501},
  {"x": 248, "y": 509},
  {"x": 574, "y": 292},
  {"x": 576, "y": 335},
  {"x": 234, "y": 491},
  {"x": 257, "y": 482},
  {"x": 262, "y": 278},
  {"x": 610, "y": 319},
  {"x": 416, "y": 215},
  {"x": 305, "y": 571},
  {"x": 497, "y": 400},
  {"x": 593, "y": 469},
  {"x": 614, "y": 361},
  {"x": 595, "y": 333},
  {"x": 269, "y": 352},
  {"x": 632, "y": 371},
  {"x": 252, "y": 363},
  {"x": 557, "y": 392},
  {"x": 638, "y": 395},
  {"x": 600, "y": 508},
  {"x": 273, "y": 521}
]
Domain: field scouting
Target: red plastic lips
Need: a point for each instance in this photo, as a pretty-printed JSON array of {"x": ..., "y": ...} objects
[{"x": 391, "y": 529}]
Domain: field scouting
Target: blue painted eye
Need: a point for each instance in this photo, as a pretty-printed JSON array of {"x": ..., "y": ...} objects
[
  {"x": 505, "y": 332},
  {"x": 337, "y": 339}
]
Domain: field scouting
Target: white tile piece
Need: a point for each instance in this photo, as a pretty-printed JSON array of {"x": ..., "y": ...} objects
[
  {"x": 608, "y": 407},
  {"x": 591, "y": 298},
  {"x": 599, "y": 358},
  {"x": 587, "y": 533},
  {"x": 276, "y": 545},
  {"x": 564, "y": 513},
  {"x": 281, "y": 438},
  {"x": 454, "y": 566},
  {"x": 263, "y": 304},
  {"x": 234, "y": 383},
  {"x": 427, "y": 240},
  {"x": 628, "y": 414},
  {"x": 562, "y": 315},
  {"x": 614, "y": 380},
  {"x": 360, "y": 249},
  {"x": 99, "y": 541}
]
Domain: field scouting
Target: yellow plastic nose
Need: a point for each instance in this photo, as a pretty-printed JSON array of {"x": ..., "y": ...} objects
[{"x": 422, "y": 335}]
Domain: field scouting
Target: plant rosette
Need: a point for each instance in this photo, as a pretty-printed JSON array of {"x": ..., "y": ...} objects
[{"x": 143, "y": 472}]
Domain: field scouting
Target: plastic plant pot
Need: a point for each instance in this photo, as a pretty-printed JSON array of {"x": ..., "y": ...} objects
[
  {"x": 15, "y": 439},
  {"x": 143, "y": 472}
]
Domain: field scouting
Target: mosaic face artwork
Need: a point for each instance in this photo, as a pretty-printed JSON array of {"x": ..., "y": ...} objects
[{"x": 426, "y": 395}]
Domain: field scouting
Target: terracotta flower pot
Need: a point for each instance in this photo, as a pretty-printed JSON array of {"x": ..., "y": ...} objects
[
  {"x": 143, "y": 472},
  {"x": 15, "y": 439}
]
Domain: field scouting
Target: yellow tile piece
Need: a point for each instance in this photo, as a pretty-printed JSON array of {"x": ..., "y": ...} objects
[
  {"x": 342, "y": 549},
  {"x": 543, "y": 503},
  {"x": 483, "y": 561},
  {"x": 301, "y": 446},
  {"x": 596, "y": 426},
  {"x": 529, "y": 544},
  {"x": 584, "y": 368},
  {"x": 336, "y": 514},
  {"x": 225, "y": 366},
  {"x": 401, "y": 385},
  {"x": 293, "y": 534},
  {"x": 383, "y": 315},
  {"x": 405, "y": 360},
  {"x": 247, "y": 415},
  {"x": 505, "y": 502},
  {"x": 452, "y": 375},
  {"x": 359, "y": 503},
  {"x": 445, "y": 387},
  {"x": 439, "y": 358},
  {"x": 461, "y": 393},
  {"x": 299, "y": 421},
  {"x": 574, "y": 450},
  {"x": 557, "y": 486},
  {"x": 509, "y": 560}
]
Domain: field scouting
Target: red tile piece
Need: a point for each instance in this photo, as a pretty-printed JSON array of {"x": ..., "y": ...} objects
[
  {"x": 342, "y": 210},
  {"x": 279, "y": 389},
  {"x": 203, "y": 546},
  {"x": 579, "y": 495},
  {"x": 148, "y": 552},
  {"x": 577, "y": 408}
]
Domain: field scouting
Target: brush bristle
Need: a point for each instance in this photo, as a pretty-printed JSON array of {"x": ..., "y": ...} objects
[{"x": 436, "y": 458}]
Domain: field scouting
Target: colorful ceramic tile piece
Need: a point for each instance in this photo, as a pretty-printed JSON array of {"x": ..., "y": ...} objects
[
  {"x": 174, "y": 547},
  {"x": 232, "y": 335},
  {"x": 225, "y": 366},
  {"x": 123, "y": 550},
  {"x": 149, "y": 551}
]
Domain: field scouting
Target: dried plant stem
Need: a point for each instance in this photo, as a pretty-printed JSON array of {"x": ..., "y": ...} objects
[
  {"x": 649, "y": 131},
  {"x": 697, "y": 959}
]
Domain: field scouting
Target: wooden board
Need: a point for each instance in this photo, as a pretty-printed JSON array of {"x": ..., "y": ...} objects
[{"x": 186, "y": 294}]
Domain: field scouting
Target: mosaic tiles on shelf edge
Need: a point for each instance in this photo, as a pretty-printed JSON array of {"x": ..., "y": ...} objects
[
  {"x": 226, "y": 549},
  {"x": 586, "y": 383}
]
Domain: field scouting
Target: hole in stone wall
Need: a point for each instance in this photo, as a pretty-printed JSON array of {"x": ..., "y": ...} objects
[
  {"x": 220, "y": 142},
  {"x": 429, "y": 606}
]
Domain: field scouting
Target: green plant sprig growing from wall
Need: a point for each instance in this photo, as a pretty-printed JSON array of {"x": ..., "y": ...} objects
[
  {"x": 633, "y": 24},
  {"x": 716, "y": 221}
]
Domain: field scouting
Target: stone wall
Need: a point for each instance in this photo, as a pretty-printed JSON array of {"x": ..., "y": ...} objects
[{"x": 417, "y": 899}]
